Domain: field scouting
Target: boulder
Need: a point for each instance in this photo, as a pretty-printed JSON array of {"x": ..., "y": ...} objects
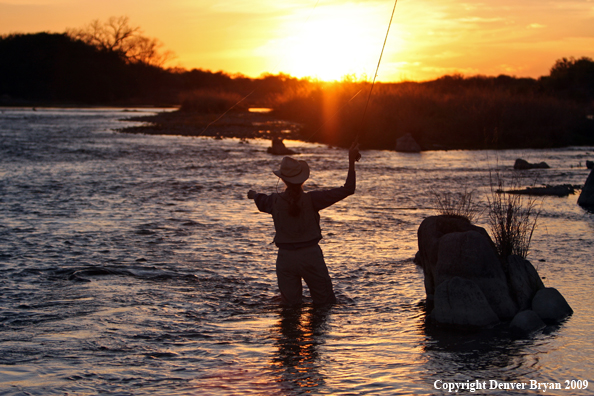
[
  {"x": 589, "y": 164},
  {"x": 429, "y": 233},
  {"x": 470, "y": 255},
  {"x": 587, "y": 195},
  {"x": 524, "y": 281},
  {"x": 460, "y": 302},
  {"x": 464, "y": 275},
  {"x": 407, "y": 144},
  {"x": 279, "y": 148},
  {"x": 550, "y": 305},
  {"x": 522, "y": 164},
  {"x": 526, "y": 322}
]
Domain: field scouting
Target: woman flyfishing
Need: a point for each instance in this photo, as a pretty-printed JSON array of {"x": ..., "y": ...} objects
[{"x": 297, "y": 226}]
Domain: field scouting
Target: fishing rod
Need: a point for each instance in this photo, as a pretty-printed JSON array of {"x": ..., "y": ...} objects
[{"x": 376, "y": 70}]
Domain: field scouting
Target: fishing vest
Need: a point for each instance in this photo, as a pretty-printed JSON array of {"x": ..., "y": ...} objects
[{"x": 302, "y": 228}]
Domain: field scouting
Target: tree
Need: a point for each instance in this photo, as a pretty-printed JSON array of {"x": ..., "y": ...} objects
[
  {"x": 118, "y": 36},
  {"x": 574, "y": 77}
]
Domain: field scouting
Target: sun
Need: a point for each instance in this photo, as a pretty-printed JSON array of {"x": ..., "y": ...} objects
[{"x": 334, "y": 42}]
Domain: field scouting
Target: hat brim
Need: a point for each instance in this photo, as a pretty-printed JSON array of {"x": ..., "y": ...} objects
[{"x": 299, "y": 178}]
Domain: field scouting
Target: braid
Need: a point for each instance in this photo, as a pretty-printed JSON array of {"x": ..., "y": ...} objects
[{"x": 293, "y": 194}]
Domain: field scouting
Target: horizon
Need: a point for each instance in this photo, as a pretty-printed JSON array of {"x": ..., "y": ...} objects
[{"x": 327, "y": 40}]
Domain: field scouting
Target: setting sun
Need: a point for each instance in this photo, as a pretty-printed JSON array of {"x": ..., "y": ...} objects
[{"x": 334, "y": 41}]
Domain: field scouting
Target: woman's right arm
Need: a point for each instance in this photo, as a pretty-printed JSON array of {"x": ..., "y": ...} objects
[{"x": 263, "y": 201}]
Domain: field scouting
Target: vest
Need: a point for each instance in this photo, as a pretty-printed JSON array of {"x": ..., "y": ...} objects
[{"x": 289, "y": 229}]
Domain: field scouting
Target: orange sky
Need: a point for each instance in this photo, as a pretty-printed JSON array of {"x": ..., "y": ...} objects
[{"x": 428, "y": 38}]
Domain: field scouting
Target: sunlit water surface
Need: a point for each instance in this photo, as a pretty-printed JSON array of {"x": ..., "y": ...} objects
[{"x": 135, "y": 264}]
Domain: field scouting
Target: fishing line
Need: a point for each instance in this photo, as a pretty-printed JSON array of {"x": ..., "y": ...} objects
[{"x": 372, "y": 84}]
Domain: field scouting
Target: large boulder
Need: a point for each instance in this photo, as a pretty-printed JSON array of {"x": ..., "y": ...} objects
[
  {"x": 550, "y": 305},
  {"x": 522, "y": 164},
  {"x": 460, "y": 302},
  {"x": 464, "y": 274},
  {"x": 471, "y": 256},
  {"x": 429, "y": 233},
  {"x": 407, "y": 144},
  {"x": 524, "y": 281},
  {"x": 587, "y": 195}
]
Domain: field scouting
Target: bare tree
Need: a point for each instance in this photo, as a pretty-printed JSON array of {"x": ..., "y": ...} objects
[{"x": 117, "y": 35}]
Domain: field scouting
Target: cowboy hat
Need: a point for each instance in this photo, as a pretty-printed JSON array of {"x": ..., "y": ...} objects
[{"x": 293, "y": 171}]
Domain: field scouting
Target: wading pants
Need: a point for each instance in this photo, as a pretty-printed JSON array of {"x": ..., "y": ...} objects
[{"x": 307, "y": 263}]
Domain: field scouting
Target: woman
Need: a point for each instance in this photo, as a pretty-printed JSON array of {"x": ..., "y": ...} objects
[{"x": 297, "y": 226}]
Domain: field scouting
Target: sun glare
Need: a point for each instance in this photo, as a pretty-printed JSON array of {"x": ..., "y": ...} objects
[{"x": 334, "y": 42}]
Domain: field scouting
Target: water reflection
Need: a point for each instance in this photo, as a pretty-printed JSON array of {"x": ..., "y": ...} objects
[
  {"x": 297, "y": 335},
  {"x": 494, "y": 354}
]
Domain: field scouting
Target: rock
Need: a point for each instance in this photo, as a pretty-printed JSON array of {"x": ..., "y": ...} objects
[
  {"x": 429, "y": 233},
  {"x": 523, "y": 164},
  {"x": 550, "y": 305},
  {"x": 461, "y": 302},
  {"x": 524, "y": 281},
  {"x": 587, "y": 195},
  {"x": 563, "y": 190},
  {"x": 471, "y": 255},
  {"x": 589, "y": 164},
  {"x": 279, "y": 148},
  {"x": 526, "y": 322},
  {"x": 407, "y": 144}
]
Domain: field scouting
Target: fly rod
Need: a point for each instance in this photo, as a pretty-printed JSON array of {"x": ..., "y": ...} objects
[{"x": 377, "y": 69}]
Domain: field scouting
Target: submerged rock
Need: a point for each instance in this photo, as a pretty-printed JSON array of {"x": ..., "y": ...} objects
[
  {"x": 523, "y": 164},
  {"x": 563, "y": 190},
  {"x": 587, "y": 195},
  {"x": 279, "y": 148},
  {"x": 526, "y": 322},
  {"x": 407, "y": 144}
]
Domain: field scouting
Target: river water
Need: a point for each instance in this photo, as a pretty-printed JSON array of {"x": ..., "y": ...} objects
[{"x": 135, "y": 265}]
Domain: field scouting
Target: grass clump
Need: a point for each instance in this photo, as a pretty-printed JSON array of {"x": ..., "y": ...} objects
[
  {"x": 460, "y": 204},
  {"x": 512, "y": 219}
]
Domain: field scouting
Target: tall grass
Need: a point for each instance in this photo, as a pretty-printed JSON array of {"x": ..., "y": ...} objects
[
  {"x": 512, "y": 218},
  {"x": 460, "y": 204}
]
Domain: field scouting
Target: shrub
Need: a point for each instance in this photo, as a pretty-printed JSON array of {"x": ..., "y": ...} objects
[{"x": 210, "y": 101}]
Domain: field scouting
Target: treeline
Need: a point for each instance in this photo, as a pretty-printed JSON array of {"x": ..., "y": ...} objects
[
  {"x": 113, "y": 64},
  {"x": 54, "y": 68},
  {"x": 453, "y": 112}
]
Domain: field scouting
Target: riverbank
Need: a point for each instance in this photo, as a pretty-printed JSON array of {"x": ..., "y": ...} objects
[{"x": 248, "y": 124}]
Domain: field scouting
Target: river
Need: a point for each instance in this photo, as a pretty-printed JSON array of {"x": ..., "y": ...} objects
[{"x": 136, "y": 265}]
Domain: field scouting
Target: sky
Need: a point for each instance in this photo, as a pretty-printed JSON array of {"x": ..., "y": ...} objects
[{"x": 328, "y": 39}]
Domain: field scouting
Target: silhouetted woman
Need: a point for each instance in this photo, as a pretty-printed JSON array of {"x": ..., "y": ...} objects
[{"x": 297, "y": 226}]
